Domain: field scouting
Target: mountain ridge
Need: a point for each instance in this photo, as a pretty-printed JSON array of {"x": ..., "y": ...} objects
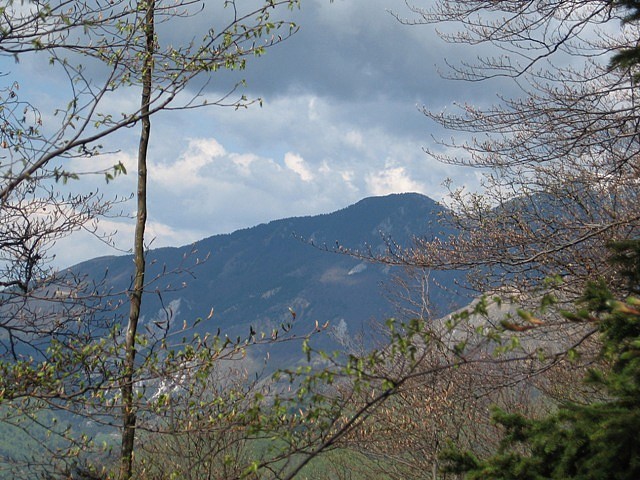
[{"x": 253, "y": 277}]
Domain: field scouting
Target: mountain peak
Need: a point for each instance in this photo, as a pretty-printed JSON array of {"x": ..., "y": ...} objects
[
  {"x": 397, "y": 198},
  {"x": 256, "y": 275}
]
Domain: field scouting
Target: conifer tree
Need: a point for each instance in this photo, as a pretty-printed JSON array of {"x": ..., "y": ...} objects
[{"x": 597, "y": 440}]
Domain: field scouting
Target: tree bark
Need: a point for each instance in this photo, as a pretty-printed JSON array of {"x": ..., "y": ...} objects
[{"x": 135, "y": 295}]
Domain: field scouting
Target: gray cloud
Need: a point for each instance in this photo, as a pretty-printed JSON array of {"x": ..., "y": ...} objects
[{"x": 339, "y": 122}]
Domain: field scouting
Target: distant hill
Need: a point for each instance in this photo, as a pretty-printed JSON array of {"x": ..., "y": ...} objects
[{"x": 254, "y": 276}]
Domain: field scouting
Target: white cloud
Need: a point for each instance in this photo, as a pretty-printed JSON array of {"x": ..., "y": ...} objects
[
  {"x": 312, "y": 109},
  {"x": 188, "y": 171},
  {"x": 243, "y": 162},
  {"x": 354, "y": 138},
  {"x": 392, "y": 180},
  {"x": 339, "y": 102},
  {"x": 297, "y": 164},
  {"x": 220, "y": 179}
]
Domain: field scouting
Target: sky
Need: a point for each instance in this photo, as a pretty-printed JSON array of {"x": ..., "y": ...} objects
[{"x": 340, "y": 121}]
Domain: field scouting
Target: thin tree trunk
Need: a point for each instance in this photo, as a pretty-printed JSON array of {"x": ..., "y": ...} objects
[{"x": 135, "y": 296}]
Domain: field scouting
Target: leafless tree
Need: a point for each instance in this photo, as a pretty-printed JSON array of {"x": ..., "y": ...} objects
[
  {"x": 559, "y": 155},
  {"x": 103, "y": 48}
]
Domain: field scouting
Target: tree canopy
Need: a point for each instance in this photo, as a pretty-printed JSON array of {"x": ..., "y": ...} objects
[{"x": 591, "y": 440}]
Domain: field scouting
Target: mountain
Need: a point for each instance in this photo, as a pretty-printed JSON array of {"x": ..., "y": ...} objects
[{"x": 254, "y": 277}]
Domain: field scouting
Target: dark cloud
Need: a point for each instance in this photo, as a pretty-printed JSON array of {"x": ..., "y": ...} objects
[
  {"x": 348, "y": 51},
  {"x": 340, "y": 121}
]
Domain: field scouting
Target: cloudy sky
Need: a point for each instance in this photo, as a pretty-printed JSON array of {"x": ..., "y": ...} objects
[{"x": 340, "y": 121}]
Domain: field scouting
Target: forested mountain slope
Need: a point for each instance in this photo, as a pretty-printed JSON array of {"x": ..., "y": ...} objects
[{"x": 254, "y": 278}]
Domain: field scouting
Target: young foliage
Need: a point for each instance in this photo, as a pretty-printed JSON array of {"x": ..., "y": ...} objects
[
  {"x": 61, "y": 339},
  {"x": 592, "y": 440}
]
